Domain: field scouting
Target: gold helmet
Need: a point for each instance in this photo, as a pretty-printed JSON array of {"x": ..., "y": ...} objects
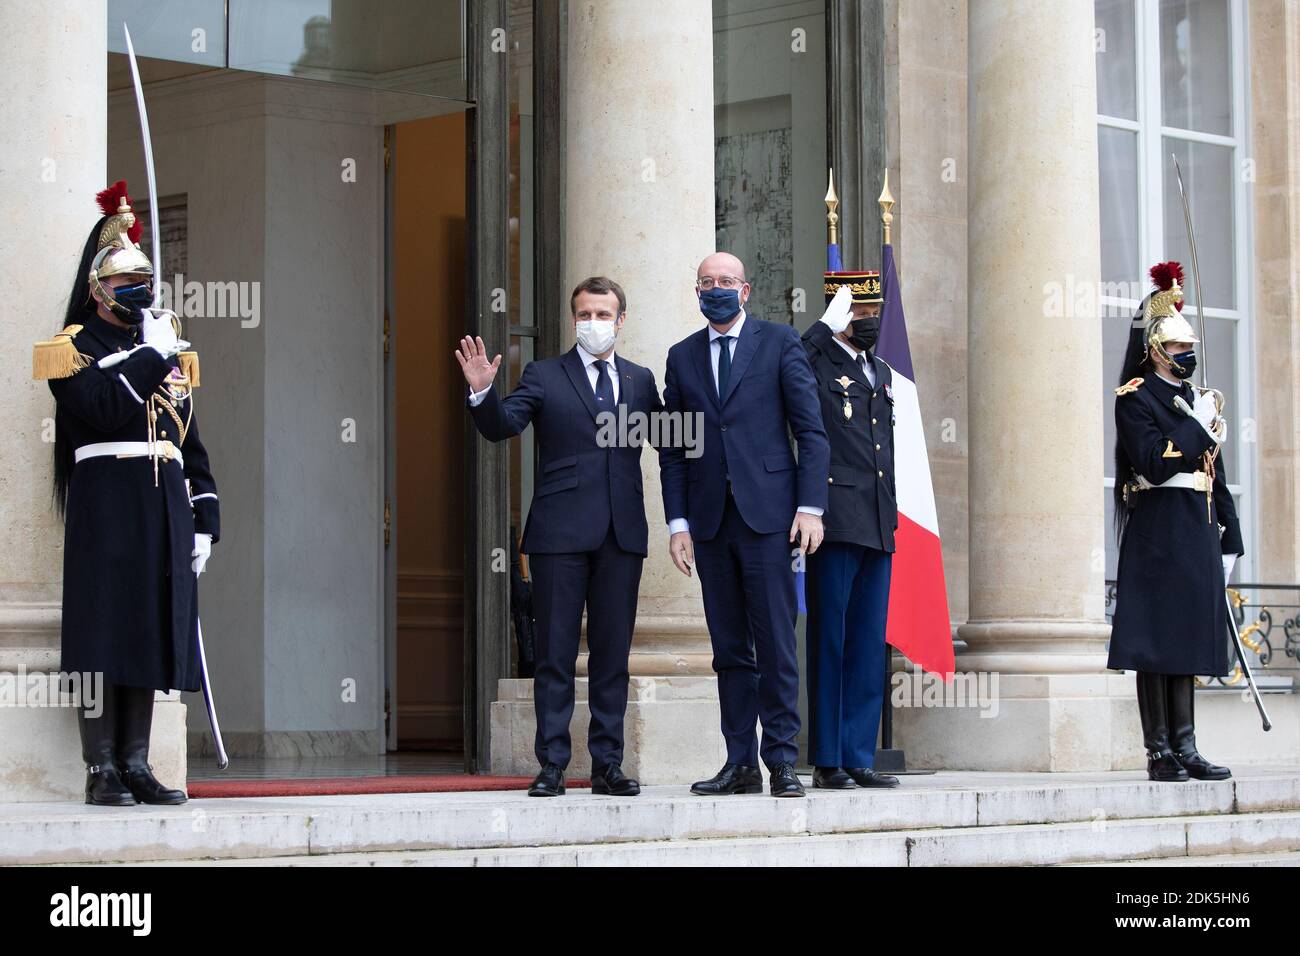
[
  {"x": 1161, "y": 317},
  {"x": 117, "y": 252}
]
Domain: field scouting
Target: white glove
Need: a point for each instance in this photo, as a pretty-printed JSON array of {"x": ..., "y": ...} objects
[
  {"x": 839, "y": 313},
  {"x": 202, "y": 551},
  {"x": 157, "y": 330},
  {"x": 1229, "y": 561},
  {"x": 1205, "y": 411}
]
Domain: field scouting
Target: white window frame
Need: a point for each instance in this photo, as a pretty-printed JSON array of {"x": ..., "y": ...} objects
[{"x": 1151, "y": 161}]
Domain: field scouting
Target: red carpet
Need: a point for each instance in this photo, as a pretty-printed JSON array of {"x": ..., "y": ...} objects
[{"x": 325, "y": 786}]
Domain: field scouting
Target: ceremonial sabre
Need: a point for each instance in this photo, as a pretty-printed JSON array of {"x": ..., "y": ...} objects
[
  {"x": 1200, "y": 317},
  {"x": 1196, "y": 270},
  {"x": 1245, "y": 668},
  {"x": 155, "y": 255}
]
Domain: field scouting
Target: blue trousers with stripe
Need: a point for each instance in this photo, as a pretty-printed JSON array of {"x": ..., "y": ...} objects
[{"x": 848, "y": 601}]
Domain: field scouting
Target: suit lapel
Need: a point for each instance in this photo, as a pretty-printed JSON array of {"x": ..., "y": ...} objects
[
  {"x": 581, "y": 384},
  {"x": 626, "y": 389},
  {"x": 704, "y": 360},
  {"x": 745, "y": 350}
]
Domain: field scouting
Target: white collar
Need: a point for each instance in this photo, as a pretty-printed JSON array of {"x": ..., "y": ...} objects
[
  {"x": 588, "y": 358},
  {"x": 714, "y": 334}
]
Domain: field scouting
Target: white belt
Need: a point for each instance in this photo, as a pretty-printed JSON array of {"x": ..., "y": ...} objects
[
  {"x": 1196, "y": 480},
  {"x": 164, "y": 450}
]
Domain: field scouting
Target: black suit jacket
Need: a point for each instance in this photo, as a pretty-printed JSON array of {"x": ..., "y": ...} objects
[{"x": 580, "y": 486}]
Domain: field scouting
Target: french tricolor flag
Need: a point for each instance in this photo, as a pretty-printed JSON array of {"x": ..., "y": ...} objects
[{"x": 918, "y": 598}]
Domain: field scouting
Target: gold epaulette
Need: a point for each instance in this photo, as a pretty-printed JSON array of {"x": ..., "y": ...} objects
[
  {"x": 189, "y": 362},
  {"x": 59, "y": 358},
  {"x": 1129, "y": 387}
]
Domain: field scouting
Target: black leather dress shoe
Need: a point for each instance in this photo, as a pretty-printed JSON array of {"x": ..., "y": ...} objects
[
  {"x": 732, "y": 778},
  {"x": 784, "y": 782},
  {"x": 1164, "y": 766},
  {"x": 831, "y": 778},
  {"x": 549, "y": 782},
  {"x": 146, "y": 788},
  {"x": 1199, "y": 768},
  {"x": 867, "y": 777},
  {"x": 612, "y": 782}
]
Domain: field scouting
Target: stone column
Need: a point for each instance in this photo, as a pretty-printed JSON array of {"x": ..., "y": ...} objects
[
  {"x": 639, "y": 208},
  {"x": 1036, "y": 456},
  {"x": 54, "y": 87}
]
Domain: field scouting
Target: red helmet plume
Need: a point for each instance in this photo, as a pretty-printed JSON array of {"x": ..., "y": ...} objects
[{"x": 109, "y": 199}]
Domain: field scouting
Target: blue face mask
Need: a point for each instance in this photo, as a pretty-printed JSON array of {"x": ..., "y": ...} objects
[
  {"x": 134, "y": 299},
  {"x": 720, "y": 305},
  {"x": 1186, "y": 362}
]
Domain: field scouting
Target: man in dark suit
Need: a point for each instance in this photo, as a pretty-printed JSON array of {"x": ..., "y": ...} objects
[
  {"x": 739, "y": 506},
  {"x": 848, "y": 579},
  {"x": 586, "y": 530}
]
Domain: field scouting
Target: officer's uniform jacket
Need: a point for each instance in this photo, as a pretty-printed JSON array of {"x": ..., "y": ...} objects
[
  {"x": 862, "y": 506},
  {"x": 130, "y": 607},
  {"x": 1170, "y": 615}
]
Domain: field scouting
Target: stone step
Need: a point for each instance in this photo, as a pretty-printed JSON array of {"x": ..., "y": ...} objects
[
  {"x": 1222, "y": 859},
  {"x": 947, "y": 803},
  {"x": 1218, "y": 839}
]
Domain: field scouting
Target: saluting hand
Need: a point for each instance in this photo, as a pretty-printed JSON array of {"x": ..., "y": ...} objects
[{"x": 472, "y": 356}]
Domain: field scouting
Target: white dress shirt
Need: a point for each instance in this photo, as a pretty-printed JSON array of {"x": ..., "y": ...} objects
[
  {"x": 588, "y": 362},
  {"x": 870, "y": 368},
  {"x": 717, "y": 342}
]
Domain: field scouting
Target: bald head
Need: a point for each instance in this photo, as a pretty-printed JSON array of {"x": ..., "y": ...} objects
[
  {"x": 720, "y": 284},
  {"x": 721, "y": 264}
]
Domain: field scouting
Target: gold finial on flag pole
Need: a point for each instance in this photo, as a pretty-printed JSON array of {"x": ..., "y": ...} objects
[
  {"x": 886, "y": 201},
  {"x": 832, "y": 217}
]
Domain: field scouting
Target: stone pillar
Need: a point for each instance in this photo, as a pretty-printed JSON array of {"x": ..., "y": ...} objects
[
  {"x": 639, "y": 208},
  {"x": 1036, "y": 455},
  {"x": 54, "y": 88},
  {"x": 639, "y": 204}
]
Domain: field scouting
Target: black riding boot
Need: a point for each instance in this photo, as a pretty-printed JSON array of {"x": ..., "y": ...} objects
[
  {"x": 1182, "y": 732},
  {"x": 1161, "y": 762},
  {"x": 104, "y": 786},
  {"x": 134, "y": 725}
]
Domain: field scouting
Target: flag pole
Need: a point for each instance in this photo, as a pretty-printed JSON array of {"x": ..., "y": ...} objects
[{"x": 888, "y": 759}]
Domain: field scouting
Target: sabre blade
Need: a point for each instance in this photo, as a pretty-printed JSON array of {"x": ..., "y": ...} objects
[
  {"x": 1196, "y": 271},
  {"x": 155, "y": 243},
  {"x": 1245, "y": 666}
]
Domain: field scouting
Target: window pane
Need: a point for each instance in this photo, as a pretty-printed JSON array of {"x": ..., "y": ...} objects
[
  {"x": 770, "y": 151},
  {"x": 191, "y": 31},
  {"x": 1196, "y": 65},
  {"x": 1117, "y": 164},
  {"x": 1208, "y": 176},
  {"x": 406, "y": 46},
  {"x": 1116, "y": 73}
]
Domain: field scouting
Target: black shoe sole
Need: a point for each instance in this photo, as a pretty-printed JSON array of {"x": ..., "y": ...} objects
[
  {"x": 545, "y": 793},
  {"x": 1153, "y": 777},
  {"x": 876, "y": 786},
  {"x": 130, "y": 802},
  {"x": 606, "y": 792},
  {"x": 790, "y": 793},
  {"x": 822, "y": 786}
]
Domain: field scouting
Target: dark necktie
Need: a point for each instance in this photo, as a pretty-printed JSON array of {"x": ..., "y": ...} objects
[
  {"x": 604, "y": 387},
  {"x": 724, "y": 364}
]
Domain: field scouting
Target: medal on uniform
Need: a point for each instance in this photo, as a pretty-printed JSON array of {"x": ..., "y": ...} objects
[{"x": 844, "y": 382}]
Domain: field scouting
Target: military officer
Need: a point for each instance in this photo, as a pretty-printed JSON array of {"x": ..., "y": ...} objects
[
  {"x": 1178, "y": 531},
  {"x": 132, "y": 481},
  {"x": 847, "y": 585}
]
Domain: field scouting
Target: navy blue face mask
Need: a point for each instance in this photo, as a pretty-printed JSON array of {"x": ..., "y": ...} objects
[
  {"x": 134, "y": 299},
  {"x": 720, "y": 305},
  {"x": 1184, "y": 363}
]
